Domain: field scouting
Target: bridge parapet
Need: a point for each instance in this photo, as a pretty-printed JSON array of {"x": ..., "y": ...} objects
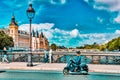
[{"x": 64, "y": 56}]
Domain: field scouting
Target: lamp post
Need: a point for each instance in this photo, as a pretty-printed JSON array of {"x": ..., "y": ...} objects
[{"x": 30, "y": 13}]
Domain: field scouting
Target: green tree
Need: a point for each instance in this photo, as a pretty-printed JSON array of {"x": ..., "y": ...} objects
[
  {"x": 102, "y": 47},
  {"x": 5, "y": 40},
  {"x": 114, "y": 44},
  {"x": 88, "y": 46},
  {"x": 53, "y": 46}
]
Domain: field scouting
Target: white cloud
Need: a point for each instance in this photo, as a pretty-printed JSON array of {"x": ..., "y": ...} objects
[
  {"x": 56, "y": 30},
  {"x": 63, "y": 1},
  {"x": 24, "y": 27},
  {"x": 74, "y": 33},
  {"x": 48, "y": 34},
  {"x": 70, "y": 38},
  {"x": 41, "y": 26},
  {"x": 100, "y": 19},
  {"x": 117, "y": 31},
  {"x": 30, "y": 1},
  {"x": 100, "y": 38},
  {"x": 109, "y": 5},
  {"x": 117, "y": 19},
  {"x": 58, "y": 2},
  {"x": 86, "y": 1},
  {"x": 76, "y": 25},
  {"x": 54, "y": 2},
  {"x": 46, "y": 25},
  {"x": 67, "y": 36},
  {"x": 39, "y": 10}
]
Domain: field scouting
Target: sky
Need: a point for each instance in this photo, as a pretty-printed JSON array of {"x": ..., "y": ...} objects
[{"x": 67, "y": 23}]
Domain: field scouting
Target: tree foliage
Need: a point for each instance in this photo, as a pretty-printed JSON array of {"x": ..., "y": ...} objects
[
  {"x": 87, "y": 46},
  {"x": 114, "y": 44},
  {"x": 5, "y": 40},
  {"x": 53, "y": 46}
]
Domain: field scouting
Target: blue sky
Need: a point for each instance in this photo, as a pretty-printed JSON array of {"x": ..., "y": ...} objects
[{"x": 68, "y": 23}]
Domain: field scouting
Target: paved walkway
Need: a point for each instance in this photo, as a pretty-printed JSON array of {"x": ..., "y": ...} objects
[{"x": 58, "y": 67}]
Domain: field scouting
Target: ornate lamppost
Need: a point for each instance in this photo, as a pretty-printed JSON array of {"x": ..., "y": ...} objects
[{"x": 30, "y": 13}]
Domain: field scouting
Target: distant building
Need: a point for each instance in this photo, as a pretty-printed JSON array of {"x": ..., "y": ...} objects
[{"x": 21, "y": 38}]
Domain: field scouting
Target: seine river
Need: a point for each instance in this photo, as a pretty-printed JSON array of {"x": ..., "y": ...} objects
[{"x": 54, "y": 75}]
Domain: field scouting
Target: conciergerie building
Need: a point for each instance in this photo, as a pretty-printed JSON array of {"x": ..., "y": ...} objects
[{"x": 21, "y": 38}]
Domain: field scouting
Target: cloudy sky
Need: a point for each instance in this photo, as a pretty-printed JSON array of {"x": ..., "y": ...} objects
[{"x": 68, "y": 23}]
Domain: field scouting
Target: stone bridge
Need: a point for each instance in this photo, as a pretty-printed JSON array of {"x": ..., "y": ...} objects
[{"x": 65, "y": 56}]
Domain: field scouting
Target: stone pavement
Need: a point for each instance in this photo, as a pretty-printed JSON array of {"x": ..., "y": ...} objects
[{"x": 58, "y": 67}]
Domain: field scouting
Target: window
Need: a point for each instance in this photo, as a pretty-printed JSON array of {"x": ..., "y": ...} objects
[{"x": 11, "y": 31}]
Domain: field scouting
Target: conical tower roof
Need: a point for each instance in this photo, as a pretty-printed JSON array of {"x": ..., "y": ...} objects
[
  {"x": 33, "y": 33},
  {"x": 42, "y": 35},
  {"x": 13, "y": 20}
]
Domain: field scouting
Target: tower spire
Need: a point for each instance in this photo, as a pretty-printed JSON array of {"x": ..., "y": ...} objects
[
  {"x": 13, "y": 15},
  {"x": 33, "y": 33},
  {"x": 42, "y": 34},
  {"x": 13, "y": 20},
  {"x": 37, "y": 34}
]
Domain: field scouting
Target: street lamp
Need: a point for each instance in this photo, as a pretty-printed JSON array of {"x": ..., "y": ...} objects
[{"x": 30, "y": 13}]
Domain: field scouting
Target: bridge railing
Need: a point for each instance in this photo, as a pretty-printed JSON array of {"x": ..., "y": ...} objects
[{"x": 63, "y": 57}]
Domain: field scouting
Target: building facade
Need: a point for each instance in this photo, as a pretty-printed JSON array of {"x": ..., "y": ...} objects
[{"x": 21, "y": 38}]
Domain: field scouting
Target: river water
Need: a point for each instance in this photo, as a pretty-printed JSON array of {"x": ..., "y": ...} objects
[{"x": 54, "y": 75}]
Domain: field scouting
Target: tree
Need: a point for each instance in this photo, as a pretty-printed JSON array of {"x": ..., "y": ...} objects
[
  {"x": 88, "y": 46},
  {"x": 114, "y": 44},
  {"x": 5, "y": 40},
  {"x": 53, "y": 46},
  {"x": 102, "y": 47},
  {"x": 61, "y": 47}
]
